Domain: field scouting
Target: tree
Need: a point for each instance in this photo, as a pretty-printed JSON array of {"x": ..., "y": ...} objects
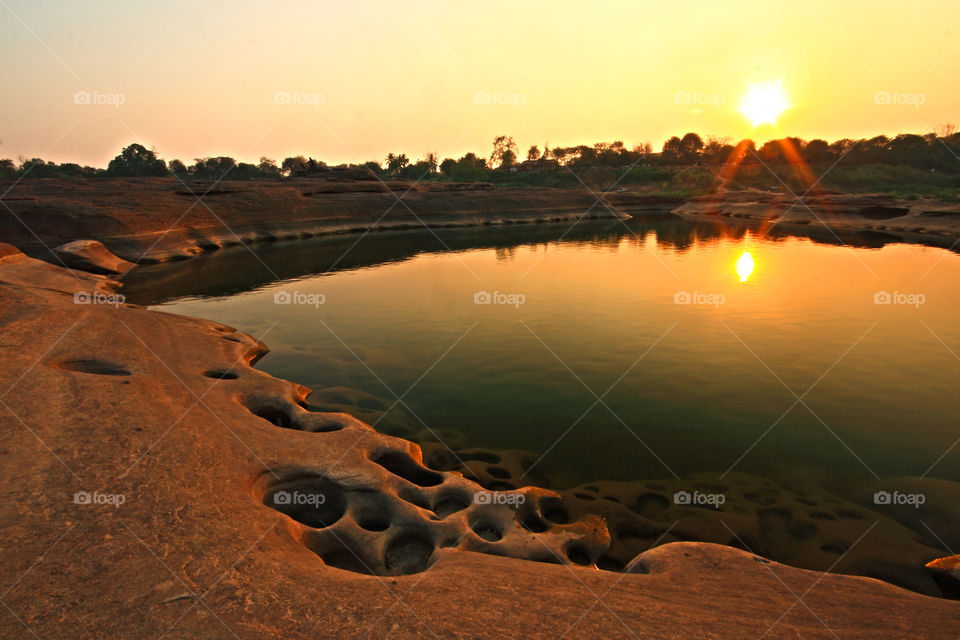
[
  {"x": 396, "y": 163},
  {"x": 533, "y": 154},
  {"x": 177, "y": 167},
  {"x": 816, "y": 151},
  {"x": 268, "y": 167},
  {"x": 137, "y": 161},
  {"x": 432, "y": 162},
  {"x": 671, "y": 151},
  {"x": 7, "y": 168},
  {"x": 690, "y": 146},
  {"x": 716, "y": 150},
  {"x": 504, "y": 148},
  {"x": 293, "y": 166},
  {"x": 448, "y": 166},
  {"x": 213, "y": 168}
]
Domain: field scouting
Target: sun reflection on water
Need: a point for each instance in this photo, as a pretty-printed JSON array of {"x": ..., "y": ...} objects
[{"x": 745, "y": 265}]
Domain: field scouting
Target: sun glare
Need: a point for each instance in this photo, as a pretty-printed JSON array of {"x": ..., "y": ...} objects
[
  {"x": 745, "y": 265},
  {"x": 763, "y": 103}
]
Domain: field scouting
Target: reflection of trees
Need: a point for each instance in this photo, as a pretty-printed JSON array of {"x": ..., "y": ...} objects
[{"x": 235, "y": 270}]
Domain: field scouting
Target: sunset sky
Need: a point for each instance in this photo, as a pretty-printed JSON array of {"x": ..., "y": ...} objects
[{"x": 211, "y": 77}]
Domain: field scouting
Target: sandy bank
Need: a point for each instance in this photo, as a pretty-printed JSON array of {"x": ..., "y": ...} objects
[{"x": 153, "y": 481}]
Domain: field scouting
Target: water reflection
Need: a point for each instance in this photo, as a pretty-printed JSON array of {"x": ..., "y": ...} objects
[
  {"x": 237, "y": 269},
  {"x": 745, "y": 265}
]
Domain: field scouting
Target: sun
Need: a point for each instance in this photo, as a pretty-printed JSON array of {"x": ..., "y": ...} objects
[{"x": 763, "y": 103}]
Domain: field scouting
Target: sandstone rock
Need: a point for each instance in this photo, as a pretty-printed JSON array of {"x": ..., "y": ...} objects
[
  {"x": 152, "y": 481},
  {"x": 92, "y": 256},
  {"x": 946, "y": 571}
]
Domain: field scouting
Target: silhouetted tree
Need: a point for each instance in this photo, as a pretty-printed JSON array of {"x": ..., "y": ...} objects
[
  {"x": 448, "y": 166},
  {"x": 177, "y": 167},
  {"x": 7, "y": 168},
  {"x": 504, "y": 152},
  {"x": 136, "y": 161},
  {"x": 216, "y": 168},
  {"x": 396, "y": 163},
  {"x": 817, "y": 151},
  {"x": 268, "y": 167},
  {"x": 293, "y": 166},
  {"x": 690, "y": 146}
]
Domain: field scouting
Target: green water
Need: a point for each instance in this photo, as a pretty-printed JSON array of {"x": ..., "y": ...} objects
[{"x": 684, "y": 388}]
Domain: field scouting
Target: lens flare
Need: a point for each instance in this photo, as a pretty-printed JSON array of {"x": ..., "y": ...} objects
[{"x": 745, "y": 265}]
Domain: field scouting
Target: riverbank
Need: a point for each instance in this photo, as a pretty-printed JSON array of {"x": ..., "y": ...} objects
[
  {"x": 882, "y": 218},
  {"x": 147, "y": 220},
  {"x": 154, "y": 481}
]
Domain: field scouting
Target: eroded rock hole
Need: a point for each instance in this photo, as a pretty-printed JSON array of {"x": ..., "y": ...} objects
[
  {"x": 408, "y": 553},
  {"x": 221, "y": 374},
  {"x": 312, "y": 501},
  {"x": 370, "y": 512},
  {"x": 553, "y": 511},
  {"x": 487, "y": 530},
  {"x": 532, "y": 522},
  {"x": 450, "y": 503},
  {"x": 97, "y": 367},
  {"x": 578, "y": 554},
  {"x": 401, "y": 464},
  {"x": 275, "y": 416}
]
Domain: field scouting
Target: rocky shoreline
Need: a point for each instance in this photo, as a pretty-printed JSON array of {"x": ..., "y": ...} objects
[
  {"x": 163, "y": 485},
  {"x": 880, "y": 218},
  {"x": 150, "y": 220},
  {"x": 155, "y": 486}
]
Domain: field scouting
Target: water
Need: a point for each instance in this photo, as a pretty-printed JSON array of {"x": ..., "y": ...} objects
[
  {"x": 594, "y": 372},
  {"x": 685, "y": 388}
]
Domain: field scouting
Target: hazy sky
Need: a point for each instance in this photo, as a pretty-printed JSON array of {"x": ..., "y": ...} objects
[{"x": 212, "y": 77}]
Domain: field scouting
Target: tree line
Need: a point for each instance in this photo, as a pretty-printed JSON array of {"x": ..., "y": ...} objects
[{"x": 937, "y": 152}]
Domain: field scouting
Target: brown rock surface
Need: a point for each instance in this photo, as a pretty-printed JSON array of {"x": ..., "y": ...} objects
[
  {"x": 920, "y": 220},
  {"x": 141, "y": 470},
  {"x": 158, "y": 219},
  {"x": 92, "y": 256}
]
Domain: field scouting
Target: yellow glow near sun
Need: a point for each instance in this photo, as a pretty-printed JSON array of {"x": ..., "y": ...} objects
[
  {"x": 764, "y": 102},
  {"x": 745, "y": 265}
]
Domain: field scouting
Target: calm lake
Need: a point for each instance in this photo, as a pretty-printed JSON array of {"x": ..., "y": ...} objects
[{"x": 610, "y": 350}]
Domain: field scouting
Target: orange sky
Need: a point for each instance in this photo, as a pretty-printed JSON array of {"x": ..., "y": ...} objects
[{"x": 212, "y": 77}]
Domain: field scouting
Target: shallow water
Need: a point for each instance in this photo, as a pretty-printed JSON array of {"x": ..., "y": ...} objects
[{"x": 591, "y": 364}]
